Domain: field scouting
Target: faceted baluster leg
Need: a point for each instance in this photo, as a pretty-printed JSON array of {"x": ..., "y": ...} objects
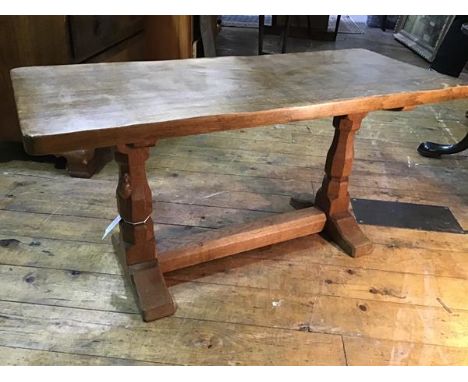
[
  {"x": 333, "y": 197},
  {"x": 137, "y": 234}
]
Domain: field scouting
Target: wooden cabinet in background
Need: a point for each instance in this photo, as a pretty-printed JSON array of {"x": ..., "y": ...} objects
[
  {"x": 170, "y": 37},
  {"x": 56, "y": 40}
]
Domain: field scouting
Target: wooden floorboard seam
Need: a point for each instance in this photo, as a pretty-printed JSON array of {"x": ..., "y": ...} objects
[
  {"x": 309, "y": 329},
  {"x": 439, "y": 307},
  {"x": 245, "y": 255},
  {"x": 178, "y": 317},
  {"x": 385, "y": 191},
  {"x": 344, "y": 350},
  {"x": 89, "y": 355},
  {"x": 135, "y": 313},
  {"x": 375, "y": 241}
]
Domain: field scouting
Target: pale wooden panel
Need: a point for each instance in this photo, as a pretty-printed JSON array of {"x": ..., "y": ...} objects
[
  {"x": 371, "y": 352},
  {"x": 170, "y": 340},
  {"x": 75, "y": 106}
]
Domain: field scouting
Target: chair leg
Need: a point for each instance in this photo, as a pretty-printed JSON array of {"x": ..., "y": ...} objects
[
  {"x": 384, "y": 23},
  {"x": 435, "y": 150},
  {"x": 261, "y": 33},
  {"x": 285, "y": 34},
  {"x": 337, "y": 26}
]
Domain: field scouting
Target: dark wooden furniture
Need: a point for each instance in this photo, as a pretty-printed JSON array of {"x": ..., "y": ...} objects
[
  {"x": 423, "y": 33},
  {"x": 132, "y": 105},
  {"x": 317, "y": 28},
  {"x": 170, "y": 37},
  {"x": 437, "y": 39},
  {"x": 452, "y": 54},
  {"x": 55, "y": 40}
]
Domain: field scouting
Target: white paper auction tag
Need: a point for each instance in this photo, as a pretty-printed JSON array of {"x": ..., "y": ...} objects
[{"x": 111, "y": 226}]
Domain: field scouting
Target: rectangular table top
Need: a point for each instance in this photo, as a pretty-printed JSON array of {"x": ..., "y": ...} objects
[{"x": 69, "y": 107}]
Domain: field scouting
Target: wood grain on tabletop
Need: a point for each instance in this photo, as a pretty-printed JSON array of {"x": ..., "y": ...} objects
[{"x": 95, "y": 105}]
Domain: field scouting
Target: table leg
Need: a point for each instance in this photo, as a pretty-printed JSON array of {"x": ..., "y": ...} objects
[
  {"x": 85, "y": 163},
  {"x": 137, "y": 233},
  {"x": 333, "y": 197}
]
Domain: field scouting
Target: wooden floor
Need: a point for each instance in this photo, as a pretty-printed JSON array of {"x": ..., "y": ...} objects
[{"x": 63, "y": 299}]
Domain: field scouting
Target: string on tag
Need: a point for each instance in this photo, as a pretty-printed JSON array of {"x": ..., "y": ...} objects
[
  {"x": 137, "y": 223},
  {"x": 117, "y": 220}
]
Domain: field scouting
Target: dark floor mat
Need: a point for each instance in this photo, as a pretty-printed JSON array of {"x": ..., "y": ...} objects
[{"x": 405, "y": 215}]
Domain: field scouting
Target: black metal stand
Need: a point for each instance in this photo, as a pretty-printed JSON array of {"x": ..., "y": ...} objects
[{"x": 435, "y": 150}]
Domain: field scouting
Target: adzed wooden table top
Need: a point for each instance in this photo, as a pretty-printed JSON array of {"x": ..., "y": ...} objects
[{"x": 71, "y": 107}]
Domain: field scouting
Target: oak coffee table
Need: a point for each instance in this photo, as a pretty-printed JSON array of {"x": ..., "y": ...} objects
[{"x": 131, "y": 105}]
